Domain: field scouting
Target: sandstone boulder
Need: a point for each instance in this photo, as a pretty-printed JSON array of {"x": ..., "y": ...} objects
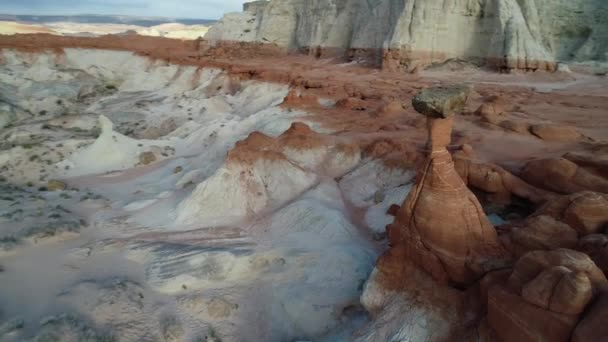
[
  {"x": 593, "y": 326},
  {"x": 544, "y": 296},
  {"x": 553, "y": 174},
  {"x": 596, "y": 246},
  {"x": 586, "y": 211},
  {"x": 495, "y": 180},
  {"x": 352, "y": 103},
  {"x": 532, "y": 264},
  {"x": 515, "y": 320},
  {"x": 557, "y": 133},
  {"x": 515, "y": 126},
  {"x": 492, "y": 111},
  {"x": 595, "y": 159},
  {"x": 562, "y": 176},
  {"x": 542, "y": 233},
  {"x": 560, "y": 290},
  {"x": 492, "y": 117},
  {"x": 441, "y": 102},
  {"x": 391, "y": 110}
]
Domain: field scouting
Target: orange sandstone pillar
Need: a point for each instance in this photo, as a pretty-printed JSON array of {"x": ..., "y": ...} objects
[{"x": 441, "y": 225}]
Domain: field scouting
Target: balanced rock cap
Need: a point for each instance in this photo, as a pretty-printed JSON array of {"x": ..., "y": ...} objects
[{"x": 441, "y": 102}]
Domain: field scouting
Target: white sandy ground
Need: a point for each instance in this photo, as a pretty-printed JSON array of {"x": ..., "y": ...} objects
[
  {"x": 179, "y": 249},
  {"x": 169, "y": 30}
]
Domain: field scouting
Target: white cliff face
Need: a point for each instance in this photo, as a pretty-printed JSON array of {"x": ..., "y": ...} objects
[{"x": 524, "y": 34}]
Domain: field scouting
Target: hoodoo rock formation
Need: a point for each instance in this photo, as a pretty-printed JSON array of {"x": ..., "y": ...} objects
[
  {"x": 442, "y": 243},
  {"x": 441, "y": 225},
  {"x": 405, "y": 34},
  {"x": 448, "y": 264}
]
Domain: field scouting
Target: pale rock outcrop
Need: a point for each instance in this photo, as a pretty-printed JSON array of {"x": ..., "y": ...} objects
[
  {"x": 254, "y": 6},
  {"x": 263, "y": 173},
  {"x": 403, "y": 34},
  {"x": 112, "y": 151}
]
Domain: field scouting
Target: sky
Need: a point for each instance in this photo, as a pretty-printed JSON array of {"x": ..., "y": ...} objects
[{"x": 195, "y": 9}]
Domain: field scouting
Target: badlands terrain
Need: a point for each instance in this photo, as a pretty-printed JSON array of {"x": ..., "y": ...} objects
[
  {"x": 97, "y": 25},
  {"x": 169, "y": 30},
  {"x": 156, "y": 189}
]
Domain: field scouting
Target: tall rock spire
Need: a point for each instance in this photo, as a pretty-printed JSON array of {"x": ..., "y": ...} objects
[{"x": 441, "y": 225}]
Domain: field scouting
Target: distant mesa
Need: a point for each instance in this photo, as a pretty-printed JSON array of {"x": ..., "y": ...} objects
[
  {"x": 102, "y": 19},
  {"x": 98, "y": 25}
]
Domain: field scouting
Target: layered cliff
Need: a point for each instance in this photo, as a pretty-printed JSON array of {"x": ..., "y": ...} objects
[{"x": 402, "y": 34}]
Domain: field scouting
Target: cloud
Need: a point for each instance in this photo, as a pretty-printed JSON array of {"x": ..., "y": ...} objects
[{"x": 204, "y": 9}]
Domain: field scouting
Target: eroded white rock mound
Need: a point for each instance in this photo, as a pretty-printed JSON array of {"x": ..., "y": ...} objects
[
  {"x": 111, "y": 151},
  {"x": 263, "y": 173},
  {"x": 235, "y": 191}
]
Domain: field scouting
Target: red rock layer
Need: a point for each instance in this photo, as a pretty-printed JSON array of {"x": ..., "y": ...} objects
[
  {"x": 298, "y": 137},
  {"x": 191, "y": 51}
]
